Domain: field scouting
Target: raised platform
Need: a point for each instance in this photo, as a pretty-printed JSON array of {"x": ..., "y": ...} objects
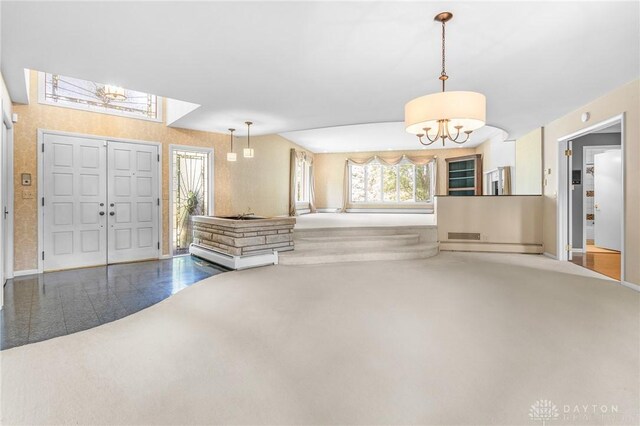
[{"x": 352, "y": 237}]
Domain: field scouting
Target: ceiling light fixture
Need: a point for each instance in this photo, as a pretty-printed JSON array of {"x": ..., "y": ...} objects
[
  {"x": 445, "y": 115},
  {"x": 113, "y": 93},
  {"x": 248, "y": 151},
  {"x": 231, "y": 156}
]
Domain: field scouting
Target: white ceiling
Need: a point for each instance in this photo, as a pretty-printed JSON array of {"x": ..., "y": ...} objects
[
  {"x": 378, "y": 137},
  {"x": 303, "y": 65}
]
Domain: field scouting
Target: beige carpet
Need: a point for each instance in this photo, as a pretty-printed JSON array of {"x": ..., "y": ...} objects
[{"x": 455, "y": 339}]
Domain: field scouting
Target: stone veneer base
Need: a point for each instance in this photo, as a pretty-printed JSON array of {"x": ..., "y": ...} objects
[{"x": 240, "y": 244}]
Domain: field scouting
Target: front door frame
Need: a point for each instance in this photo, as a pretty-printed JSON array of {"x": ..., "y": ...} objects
[
  {"x": 211, "y": 197},
  {"x": 41, "y": 133},
  {"x": 563, "y": 212}
]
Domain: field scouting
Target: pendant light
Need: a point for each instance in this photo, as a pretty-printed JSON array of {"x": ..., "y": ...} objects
[
  {"x": 231, "y": 156},
  {"x": 248, "y": 151},
  {"x": 445, "y": 115}
]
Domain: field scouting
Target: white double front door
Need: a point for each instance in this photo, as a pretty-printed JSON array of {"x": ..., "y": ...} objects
[{"x": 100, "y": 202}]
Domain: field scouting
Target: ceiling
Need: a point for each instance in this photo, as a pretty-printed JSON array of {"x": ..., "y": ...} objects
[
  {"x": 378, "y": 137},
  {"x": 291, "y": 66}
]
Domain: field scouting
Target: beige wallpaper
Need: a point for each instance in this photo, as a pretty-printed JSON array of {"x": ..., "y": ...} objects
[
  {"x": 625, "y": 99},
  {"x": 261, "y": 183},
  {"x": 329, "y": 171},
  {"x": 528, "y": 179}
]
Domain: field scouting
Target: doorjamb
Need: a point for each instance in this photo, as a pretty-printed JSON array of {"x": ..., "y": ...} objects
[
  {"x": 562, "y": 215},
  {"x": 178, "y": 147},
  {"x": 41, "y": 133},
  {"x": 8, "y": 249}
]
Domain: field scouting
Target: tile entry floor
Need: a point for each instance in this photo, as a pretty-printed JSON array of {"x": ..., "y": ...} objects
[{"x": 43, "y": 306}]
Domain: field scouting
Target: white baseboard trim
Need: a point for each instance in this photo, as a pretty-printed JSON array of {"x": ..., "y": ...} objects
[
  {"x": 394, "y": 211},
  {"x": 25, "y": 272},
  {"x": 327, "y": 210},
  {"x": 165, "y": 256},
  {"x": 478, "y": 246},
  {"x": 549, "y": 255},
  {"x": 632, "y": 286}
]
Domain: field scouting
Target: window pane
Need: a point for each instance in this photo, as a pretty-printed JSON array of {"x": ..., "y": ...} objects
[
  {"x": 75, "y": 92},
  {"x": 357, "y": 184},
  {"x": 299, "y": 181},
  {"x": 390, "y": 181},
  {"x": 406, "y": 182},
  {"x": 423, "y": 183},
  {"x": 374, "y": 183}
]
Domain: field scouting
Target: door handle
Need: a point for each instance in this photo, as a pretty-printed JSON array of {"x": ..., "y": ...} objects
[
  {"x": 112, "y": 213},
  {"x": 6, "y": 212},
  {"x": 101, "y": 213}
]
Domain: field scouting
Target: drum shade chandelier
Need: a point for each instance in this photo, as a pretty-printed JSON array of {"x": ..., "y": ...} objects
[{"x": 445, "y": 115}]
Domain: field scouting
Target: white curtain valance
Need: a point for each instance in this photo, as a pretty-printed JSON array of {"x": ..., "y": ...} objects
[{"x": 392, "y": 161}]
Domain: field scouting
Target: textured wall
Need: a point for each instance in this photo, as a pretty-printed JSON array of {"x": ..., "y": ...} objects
[
  {"x": 528, "y": 179},
  {"x": 261, "y": 183}
]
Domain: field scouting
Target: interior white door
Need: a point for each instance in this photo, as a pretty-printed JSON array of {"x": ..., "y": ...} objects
[
  {"x": 133, "y": 202},
  {"x": 607, "y": 186},
  {"x": 75, "y": 185}
]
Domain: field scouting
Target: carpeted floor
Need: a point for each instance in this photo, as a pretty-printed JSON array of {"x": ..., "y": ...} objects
[{"x": 457, "y": 339}]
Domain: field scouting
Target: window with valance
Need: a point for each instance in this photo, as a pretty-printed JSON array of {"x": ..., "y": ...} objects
[{"x": 403, "y": 181}]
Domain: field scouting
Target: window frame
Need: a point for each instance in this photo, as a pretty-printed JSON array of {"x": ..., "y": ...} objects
[
  {"x": 398, "y": 202},
  {"x": 306, "y": 182},
  {"x": 42, "y": 99}
]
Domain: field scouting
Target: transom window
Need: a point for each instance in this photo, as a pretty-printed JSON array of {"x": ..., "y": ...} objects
[
  {"x": 69, "y": 92},
  {"x": 405, "y": 182}
]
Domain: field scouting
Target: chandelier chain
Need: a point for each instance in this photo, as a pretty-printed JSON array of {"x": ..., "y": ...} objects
[{"x": 443, "y": 74}]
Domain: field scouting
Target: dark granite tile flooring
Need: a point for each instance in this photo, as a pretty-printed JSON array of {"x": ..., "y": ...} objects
[{"x": 43, "y": 306}]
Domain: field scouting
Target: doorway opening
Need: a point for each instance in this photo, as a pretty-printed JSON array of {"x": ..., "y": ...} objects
[
  {"x": 594, "y": 195},
  {"x": 191, "y": 193}
]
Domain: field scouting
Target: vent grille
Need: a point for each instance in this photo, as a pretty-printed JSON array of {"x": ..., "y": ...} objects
[{"x": 474, "y": 236}]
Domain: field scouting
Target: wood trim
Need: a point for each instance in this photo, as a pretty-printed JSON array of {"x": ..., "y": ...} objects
[{"x": 478, "y": 169}]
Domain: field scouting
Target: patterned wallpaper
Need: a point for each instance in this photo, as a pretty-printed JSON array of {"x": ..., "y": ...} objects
[{"x": 236, "y": 187}]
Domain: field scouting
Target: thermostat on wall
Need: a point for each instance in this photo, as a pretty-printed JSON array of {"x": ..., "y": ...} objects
[{"x": 26, "y": 179}]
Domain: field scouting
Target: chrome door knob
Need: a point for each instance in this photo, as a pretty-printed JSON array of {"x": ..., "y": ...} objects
[
  {"x": 112, "y": 213},
  {"x": 101, "y": 213}
]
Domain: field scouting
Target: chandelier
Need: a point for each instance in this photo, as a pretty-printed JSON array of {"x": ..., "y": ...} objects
[
  {"x": 445, "y": 115},
  {"x": 113, "y": 93}
]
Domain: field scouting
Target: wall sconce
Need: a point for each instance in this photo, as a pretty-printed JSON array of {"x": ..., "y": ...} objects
[{"x": 248, "y": 151}]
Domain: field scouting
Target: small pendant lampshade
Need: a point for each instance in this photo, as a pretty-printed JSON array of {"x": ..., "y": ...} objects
[
  {"x": 248, "y": 151},
  {"x": 231, "y": 156}
]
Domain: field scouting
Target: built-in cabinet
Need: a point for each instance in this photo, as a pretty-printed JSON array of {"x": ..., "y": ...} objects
[{"x": 464, "y": 175}]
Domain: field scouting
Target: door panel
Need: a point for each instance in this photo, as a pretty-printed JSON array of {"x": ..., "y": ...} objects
[
  {"x": 75, "y": 190},
  {"x": 133, "y": 202},
  {"x": 608, "y": 200}
]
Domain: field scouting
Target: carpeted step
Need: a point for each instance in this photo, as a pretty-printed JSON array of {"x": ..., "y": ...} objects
[
  {"x": 356, "y": 242},
  {"x": 309, "y": 256}
]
